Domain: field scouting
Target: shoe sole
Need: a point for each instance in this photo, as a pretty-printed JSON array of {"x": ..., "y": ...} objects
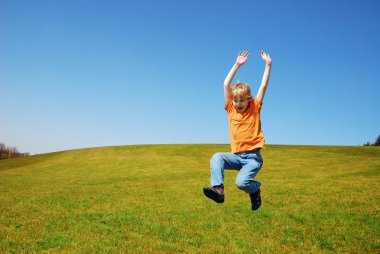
[{"x": 213, "y": 195}]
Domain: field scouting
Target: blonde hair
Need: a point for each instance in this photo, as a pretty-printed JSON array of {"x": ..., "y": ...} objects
[{"x": 241, "y": 90}]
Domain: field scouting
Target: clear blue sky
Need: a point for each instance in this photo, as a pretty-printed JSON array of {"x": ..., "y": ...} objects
[{"x": 77, "y": 74}]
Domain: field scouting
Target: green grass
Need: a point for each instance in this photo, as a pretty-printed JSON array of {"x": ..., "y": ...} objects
[{"x": 149, "y": 199}]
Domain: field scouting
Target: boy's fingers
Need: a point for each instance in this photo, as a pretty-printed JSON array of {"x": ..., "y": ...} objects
[{"x": 244, "y": 53}]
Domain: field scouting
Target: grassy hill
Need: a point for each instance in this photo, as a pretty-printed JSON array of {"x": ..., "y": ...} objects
[{"x": 149, "y": 199}]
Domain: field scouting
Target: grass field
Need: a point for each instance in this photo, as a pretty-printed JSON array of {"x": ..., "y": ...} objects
[{"x": 149, "y": 199}]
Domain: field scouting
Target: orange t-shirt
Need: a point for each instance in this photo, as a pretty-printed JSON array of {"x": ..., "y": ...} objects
[{"x": 245, "y": 128}]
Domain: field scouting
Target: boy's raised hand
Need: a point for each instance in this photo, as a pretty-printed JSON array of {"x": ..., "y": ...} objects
[
  {"x": 242, "y": 58},
  {"x": 266, "y": 57}
]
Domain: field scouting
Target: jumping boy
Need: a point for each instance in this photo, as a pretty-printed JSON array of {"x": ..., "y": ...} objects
[{"x": 245, "y": 135}]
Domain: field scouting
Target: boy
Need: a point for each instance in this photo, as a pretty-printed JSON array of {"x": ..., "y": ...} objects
[{"x": 245, "y": 135}]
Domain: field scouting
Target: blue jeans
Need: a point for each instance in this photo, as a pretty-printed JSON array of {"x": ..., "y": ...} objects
[{"x": 248, "y": 164}]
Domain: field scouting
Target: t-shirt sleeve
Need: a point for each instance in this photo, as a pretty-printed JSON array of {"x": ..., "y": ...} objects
[
  {"x": 228, "y": 105},
  {"x": 257, "y": 105}
]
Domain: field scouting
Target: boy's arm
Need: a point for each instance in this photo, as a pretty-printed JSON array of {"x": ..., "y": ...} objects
[
  {"x": 265, "y": 80},
  {"x": 241, "y": 59}
]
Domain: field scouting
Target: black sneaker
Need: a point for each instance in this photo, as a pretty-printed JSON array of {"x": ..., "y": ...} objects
[
  {"x": 214, "y": 193},
  {"x": 255, "y": 200}
]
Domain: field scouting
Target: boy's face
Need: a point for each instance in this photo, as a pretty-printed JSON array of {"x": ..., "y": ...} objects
[{"x": 240, "y": 104}]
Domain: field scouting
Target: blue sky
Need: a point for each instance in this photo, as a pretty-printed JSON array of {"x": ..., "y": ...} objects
[{"x": 77, "y": 74}]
